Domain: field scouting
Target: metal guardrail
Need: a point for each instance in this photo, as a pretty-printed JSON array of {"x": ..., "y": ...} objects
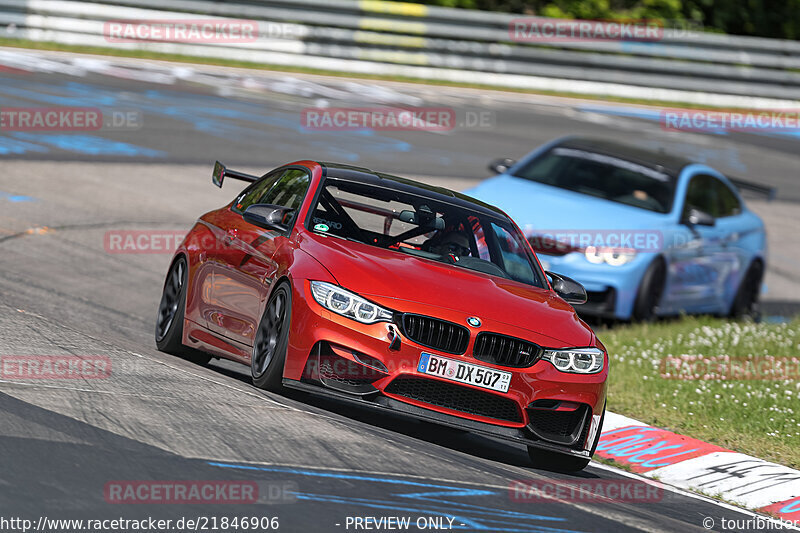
[{"x": 355, "y": 35}]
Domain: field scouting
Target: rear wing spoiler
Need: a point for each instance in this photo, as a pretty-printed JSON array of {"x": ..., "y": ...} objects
[
  {"x": 221, "y": 172},
  {"x": 749, "y": 186}
]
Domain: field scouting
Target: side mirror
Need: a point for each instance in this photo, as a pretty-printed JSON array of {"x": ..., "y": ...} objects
[
  {"x": 501, "y": 165},
  {"x": 268, "y": 216},
  {"x": 570, "y": 290},
  {"x": 696, "y": 217}
]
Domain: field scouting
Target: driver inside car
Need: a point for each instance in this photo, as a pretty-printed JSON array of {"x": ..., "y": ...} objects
[{"x": 452, "y": 242}]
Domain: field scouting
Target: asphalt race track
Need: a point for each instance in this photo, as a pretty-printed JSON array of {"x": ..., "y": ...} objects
[{"x": 156, "y": 417}]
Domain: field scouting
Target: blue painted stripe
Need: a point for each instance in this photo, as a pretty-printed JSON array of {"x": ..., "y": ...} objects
[
  {"x": 341, "y": 475},
  {"x": 474, "y": 517},
  {"x": 16, "y": 197},
  {"x": 89, "y": 144}
]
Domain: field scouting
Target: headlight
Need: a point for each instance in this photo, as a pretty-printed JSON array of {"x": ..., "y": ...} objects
[
  {"x": 576, "y": 360},
  {"x": 348, "y": 304},
  {"x": 612, "y": 256}
]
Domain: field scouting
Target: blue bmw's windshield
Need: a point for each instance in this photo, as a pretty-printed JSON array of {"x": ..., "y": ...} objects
[{"x": 602, "y": 176}]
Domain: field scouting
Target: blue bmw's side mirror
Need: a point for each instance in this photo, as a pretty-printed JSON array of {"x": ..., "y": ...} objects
[{"x": 501, "y": 165}]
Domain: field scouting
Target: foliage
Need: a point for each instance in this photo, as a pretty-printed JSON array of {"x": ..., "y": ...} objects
[{"x": 763, "y": 18}]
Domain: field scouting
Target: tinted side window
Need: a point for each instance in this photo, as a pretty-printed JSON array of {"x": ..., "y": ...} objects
[
  {"x": 289, "y": 190},
  {"x": 728, "y": 202},
  {"x": 254, "y": 192},
  {"x": 702, "y": 195},
  {"x": 513, "y": 256}
]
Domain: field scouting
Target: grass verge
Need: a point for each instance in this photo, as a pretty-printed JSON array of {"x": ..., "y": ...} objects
[{"x": 759, "y": 416}]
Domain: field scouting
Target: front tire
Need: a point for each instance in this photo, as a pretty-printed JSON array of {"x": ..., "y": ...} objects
[
  {"x": 169, "y": 323},
  {"x": 650, "y": 290},
  {"x": 745, "y": 303},
  {"x": 272, "y": 340}
]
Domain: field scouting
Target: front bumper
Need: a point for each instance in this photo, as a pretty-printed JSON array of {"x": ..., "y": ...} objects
[
  {"x": 336, "y": 356},
  {"x": 385, "y": 403}
]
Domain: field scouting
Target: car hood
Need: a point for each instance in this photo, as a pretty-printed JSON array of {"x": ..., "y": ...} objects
[
  {"x": 535, "y": 206},
  {"x": 389, "y": 277}
]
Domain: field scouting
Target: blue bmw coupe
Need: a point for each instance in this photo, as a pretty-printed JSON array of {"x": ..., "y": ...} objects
[{"x": 646, "y": 233}]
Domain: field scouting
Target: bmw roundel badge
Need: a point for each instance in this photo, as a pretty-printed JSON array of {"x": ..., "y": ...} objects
[{"x": 474, "y": 321}]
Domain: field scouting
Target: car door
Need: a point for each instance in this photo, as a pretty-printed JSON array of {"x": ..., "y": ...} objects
[
  {"x": 735, "y": 256},
  {"x": 245, "y": 266},
  {"x": 700, "y": 262},
  {"x": 216, "y": 246}
]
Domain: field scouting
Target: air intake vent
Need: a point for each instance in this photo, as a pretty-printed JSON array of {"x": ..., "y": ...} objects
[
  {"x": 505, "y": 351},
  {"x": 455, "y": 397},
  {"x": 437, "y": 334},
  {"x": 562, "y": 427}
]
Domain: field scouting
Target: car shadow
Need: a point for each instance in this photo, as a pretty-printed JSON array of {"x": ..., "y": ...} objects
[{"x": 478, "y": 446}]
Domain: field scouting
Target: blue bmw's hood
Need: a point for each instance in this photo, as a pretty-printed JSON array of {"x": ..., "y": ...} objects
[{"x": 534, "y": 206}]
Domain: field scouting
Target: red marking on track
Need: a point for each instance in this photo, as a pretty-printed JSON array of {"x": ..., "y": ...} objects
[{"x": 645, "y": 448}]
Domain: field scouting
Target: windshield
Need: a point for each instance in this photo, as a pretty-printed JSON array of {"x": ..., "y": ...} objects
[
  {"x": 603, "y": 176},
  {"x": 425, "y": 228}
]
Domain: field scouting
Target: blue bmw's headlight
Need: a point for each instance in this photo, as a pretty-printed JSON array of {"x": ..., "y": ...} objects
[
  {"x": 576, "y": 360},
  {"x": 611, "y": 256},
  {"x": 348, "y": 304}
]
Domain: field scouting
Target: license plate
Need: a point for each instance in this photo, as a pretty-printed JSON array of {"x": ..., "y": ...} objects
[{"x": 479, "y": 376}]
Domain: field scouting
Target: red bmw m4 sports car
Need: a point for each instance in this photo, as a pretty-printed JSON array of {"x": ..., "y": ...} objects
[{"x": 391, "y": 294}]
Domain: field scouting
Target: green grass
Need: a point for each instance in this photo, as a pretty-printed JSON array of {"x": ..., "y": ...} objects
[
  {"x": 760, "y": 417},
  {"x": 146, "y": 54}
]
